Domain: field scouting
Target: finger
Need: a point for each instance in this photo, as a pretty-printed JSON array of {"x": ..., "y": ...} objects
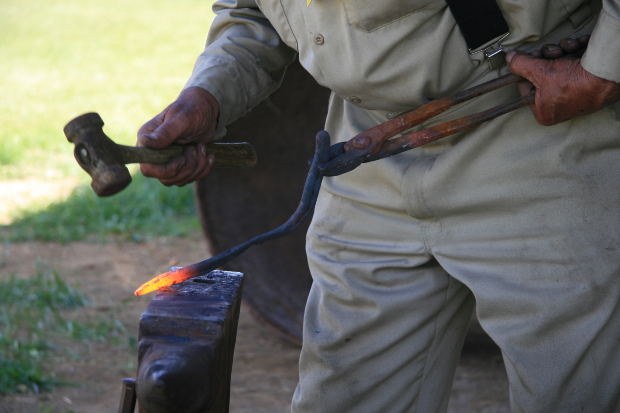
[
  {"x": 148, "y": 128},
  {"x": 536, "y": 53},
  {"x": 200, "y": 164},
  {"x": 197, "y": 164},
  {"x": 551, "y": 51},
  {"x": 570, "y": 45},
  {"x": 194, "y": 162},
  {"x": 172, "y": 126},
  {"x": 164, "y": 172},
  {"x": 202, "y": 170},
  {"x": 583, "y": 40}
]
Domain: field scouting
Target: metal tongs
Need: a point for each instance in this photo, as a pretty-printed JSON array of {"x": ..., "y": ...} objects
[
  {"x": 370, "y": 145},
  {"x": 379, "y": 142},
  {"x": 386, "y": 139}
]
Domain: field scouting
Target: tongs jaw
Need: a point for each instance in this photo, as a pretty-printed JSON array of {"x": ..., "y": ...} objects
[{"x": 380, "y": 141}]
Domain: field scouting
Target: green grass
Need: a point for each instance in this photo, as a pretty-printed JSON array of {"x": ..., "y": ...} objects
[
  {"x": 141, "y": 211},
  {"x": 60, "y": 58},
  {"x": 124, "y": 59},
  {"x": 36, "y": 314}
]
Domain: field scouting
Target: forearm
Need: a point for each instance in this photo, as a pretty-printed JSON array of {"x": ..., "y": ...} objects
[
  {"x": 602, "y": 57},
  {"x": 243, "y": 62}
]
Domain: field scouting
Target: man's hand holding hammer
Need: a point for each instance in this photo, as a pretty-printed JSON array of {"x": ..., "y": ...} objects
[{"x": 191, "y": 118}]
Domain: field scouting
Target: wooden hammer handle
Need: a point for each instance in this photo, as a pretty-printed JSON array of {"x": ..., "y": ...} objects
[{"x": 238, "y": 154}]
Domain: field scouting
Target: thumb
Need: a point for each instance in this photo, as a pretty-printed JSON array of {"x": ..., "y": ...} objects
[
  {"x": 526, "y": 66},
  {"x": 163, "y": 130}
]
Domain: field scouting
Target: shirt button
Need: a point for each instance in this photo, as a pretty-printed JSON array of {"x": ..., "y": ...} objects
[
  {"x": 391, "y": 115},
  {"x": 355, "y": 99},
  {"x": 319, "y": 39}
]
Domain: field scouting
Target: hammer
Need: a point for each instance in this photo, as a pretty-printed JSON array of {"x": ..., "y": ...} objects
[{"x": 104, "y": 160}]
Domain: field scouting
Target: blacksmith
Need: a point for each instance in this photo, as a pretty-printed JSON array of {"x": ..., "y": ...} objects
[{"x": 517, "y": 220}]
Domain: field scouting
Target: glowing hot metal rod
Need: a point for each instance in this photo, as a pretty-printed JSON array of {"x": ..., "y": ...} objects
[
  {"x": 305, "y": 207},
  {"x": 166, "y": 279},
  {"x": 368, "y": 146}
]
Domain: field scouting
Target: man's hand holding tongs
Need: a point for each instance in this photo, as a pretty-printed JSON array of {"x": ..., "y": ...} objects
[{"x": 563, "y": 88}]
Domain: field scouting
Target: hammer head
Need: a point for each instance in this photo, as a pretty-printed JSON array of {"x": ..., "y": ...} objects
[{"x": 97, "y": 154}]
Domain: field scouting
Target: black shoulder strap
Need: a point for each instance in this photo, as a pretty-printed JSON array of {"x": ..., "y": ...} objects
[{"x": 480, "y": 21}]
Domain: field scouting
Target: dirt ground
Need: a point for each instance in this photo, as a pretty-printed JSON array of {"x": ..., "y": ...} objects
[{"x": 265, "y": 367}]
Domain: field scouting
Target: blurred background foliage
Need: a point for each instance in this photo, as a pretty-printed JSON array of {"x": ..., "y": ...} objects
[{"x": 124, "y": 59}]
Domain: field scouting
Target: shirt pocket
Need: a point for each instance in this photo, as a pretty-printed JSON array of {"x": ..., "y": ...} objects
[{"x": 369, "y": 15}]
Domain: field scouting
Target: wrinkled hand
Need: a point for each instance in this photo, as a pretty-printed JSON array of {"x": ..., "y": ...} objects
[
  {"x": 563, "y": 88},
  {"x": 190, "y": 120}
]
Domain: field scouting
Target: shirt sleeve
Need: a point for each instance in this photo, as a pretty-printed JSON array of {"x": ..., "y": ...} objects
[
  {"x": 602, "y": 57},
  {"x": 243, "y": 62}
]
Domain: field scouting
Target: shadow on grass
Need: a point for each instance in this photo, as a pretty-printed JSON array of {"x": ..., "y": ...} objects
[{"x": 144, "y": 209}]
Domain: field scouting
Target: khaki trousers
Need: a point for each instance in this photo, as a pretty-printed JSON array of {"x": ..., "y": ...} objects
[{"x": 518, "y": 222}]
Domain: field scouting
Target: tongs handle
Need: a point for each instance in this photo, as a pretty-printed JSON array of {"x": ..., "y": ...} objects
[
  {"x": 430, "y": 134},
  {"x": 375, "y": 140},
  {"x": 378, "y": 134}
]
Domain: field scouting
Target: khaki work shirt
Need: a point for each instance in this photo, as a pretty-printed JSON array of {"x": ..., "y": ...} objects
[{"x": 389, "y": 55}]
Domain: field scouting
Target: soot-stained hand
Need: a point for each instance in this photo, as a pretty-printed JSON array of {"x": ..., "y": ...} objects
[
  {"x": 190, "y": 120},
  {"x": 563, "y": 89}
]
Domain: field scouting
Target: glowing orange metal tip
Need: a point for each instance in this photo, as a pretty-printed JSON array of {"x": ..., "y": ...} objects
[{"x": 166, "y": 279}]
